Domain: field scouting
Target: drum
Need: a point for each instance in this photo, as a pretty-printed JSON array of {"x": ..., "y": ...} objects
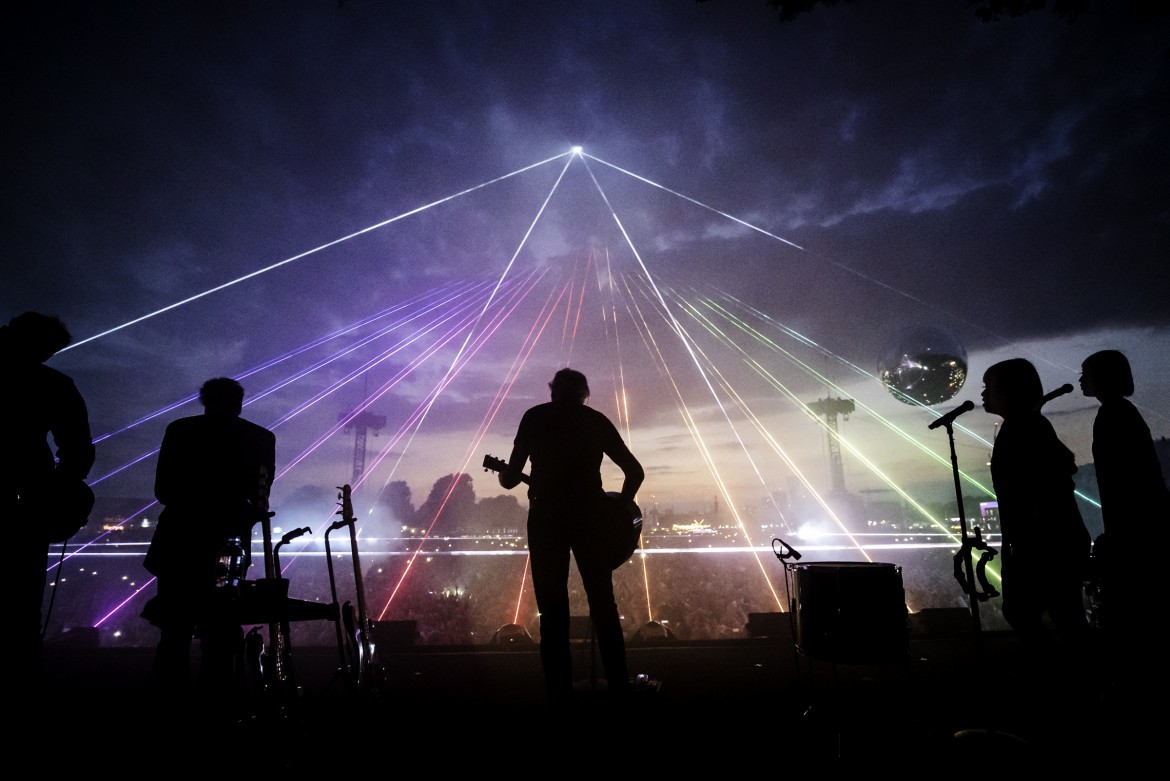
[{"x": 851, "y": 612}]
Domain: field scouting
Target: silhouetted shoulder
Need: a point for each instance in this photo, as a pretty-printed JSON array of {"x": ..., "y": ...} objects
[{"x": 259, "y": 430}]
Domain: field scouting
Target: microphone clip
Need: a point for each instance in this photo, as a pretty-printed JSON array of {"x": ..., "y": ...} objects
[{"x": 786, "y": 551}]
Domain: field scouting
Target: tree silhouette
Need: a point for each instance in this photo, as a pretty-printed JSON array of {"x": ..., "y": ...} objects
[
  {"x": 501, "y": 515},
  {"x": 396, "y": 500},
  {"x": 456, "y": 512}
]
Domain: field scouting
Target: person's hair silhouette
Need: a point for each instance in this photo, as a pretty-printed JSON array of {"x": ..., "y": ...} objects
[
  {"x": 38, "y": 337},
  {"x": 569, "y": 385},
  {"x": 1107, "y": 373},
  {"x": 1011, "y": 387},
  {"x": 222, "y": 396}
]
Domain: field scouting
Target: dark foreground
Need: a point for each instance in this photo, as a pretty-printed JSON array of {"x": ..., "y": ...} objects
[{"x": 960, "y": 700}]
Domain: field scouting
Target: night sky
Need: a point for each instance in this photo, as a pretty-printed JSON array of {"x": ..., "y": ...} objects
[{"x": 375, "y": 206}]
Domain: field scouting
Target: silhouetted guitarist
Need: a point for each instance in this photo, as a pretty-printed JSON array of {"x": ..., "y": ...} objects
[
  {"x": 45, "y": 445},
  {"x": 566, "y": 442}
]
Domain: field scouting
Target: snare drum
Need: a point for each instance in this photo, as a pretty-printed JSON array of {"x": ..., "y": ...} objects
[{"x": 851, "y": 612}]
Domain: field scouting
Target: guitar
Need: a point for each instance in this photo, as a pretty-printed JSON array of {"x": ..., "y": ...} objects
[
  {"x": 620, "y": 529},
  {"x": 367, "y": 669},
  {"x": 69, "y": 503}
]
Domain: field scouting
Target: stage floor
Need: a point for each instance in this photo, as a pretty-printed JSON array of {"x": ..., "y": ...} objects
[{"x": 757, "y": 704}]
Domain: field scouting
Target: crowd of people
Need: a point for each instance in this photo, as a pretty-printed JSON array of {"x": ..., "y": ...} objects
[{"x": 693, "y": 596}]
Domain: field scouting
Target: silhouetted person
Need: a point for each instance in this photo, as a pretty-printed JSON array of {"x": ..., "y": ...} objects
[
  {"x": 213, "y": 477},
  {"x": 36, "y": 402},
  {"x": 1045, "y": 545},
  {"x": 566, "y": 441},
  {"x": 1135, "y": 508}
]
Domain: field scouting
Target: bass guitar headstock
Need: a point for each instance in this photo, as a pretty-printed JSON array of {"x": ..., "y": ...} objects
[{"x": 346, "y": 511}]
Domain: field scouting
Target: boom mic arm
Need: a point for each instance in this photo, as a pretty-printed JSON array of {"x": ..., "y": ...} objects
[{"x": 949, "y": 418}]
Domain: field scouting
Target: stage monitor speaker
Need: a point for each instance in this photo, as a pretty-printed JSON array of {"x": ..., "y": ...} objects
[
  {"x": 512, "y": 635},
  {"x": 851, "y": 612},
  {"x": 652, "y": 633}
]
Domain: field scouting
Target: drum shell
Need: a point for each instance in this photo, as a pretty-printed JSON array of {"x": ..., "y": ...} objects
[{"x": 851, "y": 612}]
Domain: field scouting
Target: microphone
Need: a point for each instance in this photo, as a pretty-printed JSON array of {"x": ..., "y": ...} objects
[
  {"x": 786, "y": 551},
  {"x": 1047, "y": 397},
  {"x": 949, "y": 418}
]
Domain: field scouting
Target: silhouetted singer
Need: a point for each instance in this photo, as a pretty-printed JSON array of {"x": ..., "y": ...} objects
[
  {"x": 1135, "y": 508},
  {"x": 1045, "y": 548}
]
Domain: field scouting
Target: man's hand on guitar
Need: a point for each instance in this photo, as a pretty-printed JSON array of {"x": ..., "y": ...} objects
[{"x": 507, "y": 478}]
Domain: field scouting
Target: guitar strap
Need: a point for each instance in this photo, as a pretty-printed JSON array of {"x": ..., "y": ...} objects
[{"x": 53, "y": 591}]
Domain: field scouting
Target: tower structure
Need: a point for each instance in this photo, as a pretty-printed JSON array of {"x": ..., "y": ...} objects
[
  {"x": 829, "y": 409},
  {"x": 362, "y": 423}
]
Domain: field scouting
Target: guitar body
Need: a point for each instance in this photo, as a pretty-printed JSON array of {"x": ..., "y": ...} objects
[{"x": 619, "y": 528}]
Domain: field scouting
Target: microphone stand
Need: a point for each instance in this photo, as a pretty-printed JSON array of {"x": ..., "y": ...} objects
[
  {"x": 966, "y": 575},
  {"x": 784, "y": 553}
]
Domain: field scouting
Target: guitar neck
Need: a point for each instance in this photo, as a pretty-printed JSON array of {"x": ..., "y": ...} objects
[
  {"x": 359, "y": 587},
  {"x": 490, "y": 463}
]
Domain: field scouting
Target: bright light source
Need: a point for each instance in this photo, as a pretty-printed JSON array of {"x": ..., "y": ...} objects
[
  {"x": 811, "y": 530},
  {"x": 577, "y": 150}
]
